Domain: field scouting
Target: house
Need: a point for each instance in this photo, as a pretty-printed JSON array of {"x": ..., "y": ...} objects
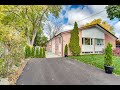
[{"x": 93, "y": 39}]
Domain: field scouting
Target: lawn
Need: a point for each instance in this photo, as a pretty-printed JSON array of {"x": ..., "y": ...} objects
[{"x": 98, "y": 61}]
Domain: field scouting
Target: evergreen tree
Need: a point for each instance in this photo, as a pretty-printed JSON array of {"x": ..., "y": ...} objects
[
  {"x": 66, "y": 50},
  {"x": 32, "y": 51},
  {"x": 37, "y": 52},
  {"x": 108, "y": 55},
  {"x": 44, "y": 55},
  {"x": 41, "y": 52},
  {"x": 27, "y": 51},
  {"x": 74, "y": 41}
]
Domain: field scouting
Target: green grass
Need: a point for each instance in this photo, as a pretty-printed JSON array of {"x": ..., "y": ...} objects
[{"x": 98, "y": 61}]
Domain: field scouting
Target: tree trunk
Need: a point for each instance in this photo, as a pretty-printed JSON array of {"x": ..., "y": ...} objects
[
  {"x": 33, "y": 37},
  {"x": 28, "y": 40}
]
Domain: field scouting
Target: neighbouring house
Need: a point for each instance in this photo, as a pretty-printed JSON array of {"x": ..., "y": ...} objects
[{"x": 92, "y": 39}]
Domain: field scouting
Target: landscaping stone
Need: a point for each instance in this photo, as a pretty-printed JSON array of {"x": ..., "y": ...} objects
[{"x": 4, "y": 81}]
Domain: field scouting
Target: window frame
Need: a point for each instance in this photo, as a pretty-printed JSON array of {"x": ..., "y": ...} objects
[
  {"x": 99, "y": 44},
  {"x": 83, "y": 41}
]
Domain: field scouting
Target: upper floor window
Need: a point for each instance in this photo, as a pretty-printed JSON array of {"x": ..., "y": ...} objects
[{"x": 99, "y": 41}]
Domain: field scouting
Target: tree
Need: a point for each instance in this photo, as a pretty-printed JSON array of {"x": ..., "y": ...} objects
[
  {"x": 74, "y": 41},
  {"x": 29, "y": 18},
  {"x": 12, "y": 43},
  {"x": 37, "y": 51},
  {"x": 113, "y": 11},
  {"x": 103, "y": 24},
  {"x": 66, "y": 50},
  {"x": 41, "y": 52},
  {"x": 52, "y": 29},
  {"x": 108, "y": 55},
  {"x": 40, "y": 39},
  {"x": 44, "y": 55},
  {"x": 32, "y": 51}
]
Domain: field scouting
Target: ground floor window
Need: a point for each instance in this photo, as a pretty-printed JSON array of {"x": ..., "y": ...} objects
[
  {"x": 87, "y": 41},
  {"x": 99, "y": 42}
]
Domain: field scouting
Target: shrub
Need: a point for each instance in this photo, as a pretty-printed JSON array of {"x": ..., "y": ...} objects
[
  {"x": 108, "y": 55},
  {"x": 32, "y": 52},
  {"x": 74, "y": 41},
  {"x": 44, "y": 55},
  {"x": 27, "y": 51},
  {"x": 41, "y": 52},
  {"x": 37, "y": 52},
  {"x": 66, "y": 50},
  {"x": 3, "y": 68}
]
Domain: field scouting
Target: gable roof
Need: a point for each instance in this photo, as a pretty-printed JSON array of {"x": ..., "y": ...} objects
[{"x": 85, "y": 27}]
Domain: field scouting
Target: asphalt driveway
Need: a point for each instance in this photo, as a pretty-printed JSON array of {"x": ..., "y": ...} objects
[{"x": 64, "y": 71}]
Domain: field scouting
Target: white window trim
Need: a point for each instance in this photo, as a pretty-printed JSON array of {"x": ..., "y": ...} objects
[
  {"x": 83, "y": 38},
  {"x": 99, "y": 44}
]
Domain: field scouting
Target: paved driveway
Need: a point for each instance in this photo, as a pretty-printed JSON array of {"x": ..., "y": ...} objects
[
  {"x": 64, "y": 71},
  {"x": 51, "y": 55}
]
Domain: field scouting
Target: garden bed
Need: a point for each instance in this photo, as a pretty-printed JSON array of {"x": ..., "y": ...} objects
[
  {"x": 98, "y": 61},
  {"x": 13, "y": 77}
]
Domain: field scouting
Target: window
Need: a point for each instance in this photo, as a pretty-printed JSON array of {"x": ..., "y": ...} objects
[
  {"x": 99, "y": 42},
  {"x": 91, "y": 41},
  {"x": 87, "y": 41}
]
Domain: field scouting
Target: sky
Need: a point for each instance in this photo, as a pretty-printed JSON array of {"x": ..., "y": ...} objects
[{"x": 82, "y": 14}]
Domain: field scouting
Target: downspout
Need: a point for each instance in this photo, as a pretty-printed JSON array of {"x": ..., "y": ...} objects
[{"x": 62, "y": 43}]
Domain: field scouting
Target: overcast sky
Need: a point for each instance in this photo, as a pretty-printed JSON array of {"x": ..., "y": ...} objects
[{"x": 71, "y": 13}]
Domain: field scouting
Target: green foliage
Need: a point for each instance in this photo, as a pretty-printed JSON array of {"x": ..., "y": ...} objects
[
  {"x": 17, "y": 64},
  {"x": 66, "y": 50},
  {"x": 32, "y": 51},
  {"x": 3, "y": 68},
  {"x": 40, "y": 39},
  {"x": 113, "y": 11},
  {"x": 44, "y": 55},
  {"x": 98, "y": 61},
  {"x": 27, "y": 51},
  {"x": 28, "y": 18},
  {"x": 108, "y": 55},
  {"x": 41, "y": 52},
  {"x": 37, "y": 52},
  {"x": 74, "y": 41}
]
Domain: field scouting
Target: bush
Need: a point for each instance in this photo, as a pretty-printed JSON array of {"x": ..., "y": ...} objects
[
  {"x": 27, "y": 51},
  {"x": 32, "y": 52},
  {"x": 37, "y": 52},
  {"x": 108, "y": 55},
  {"x": 44, "y": 55},
  {"x": 41, "y": 52},
  {"x": 66, "y": 50},
  {"x": 74, "y": 41},
  {"x": 3, "y": 68}
]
